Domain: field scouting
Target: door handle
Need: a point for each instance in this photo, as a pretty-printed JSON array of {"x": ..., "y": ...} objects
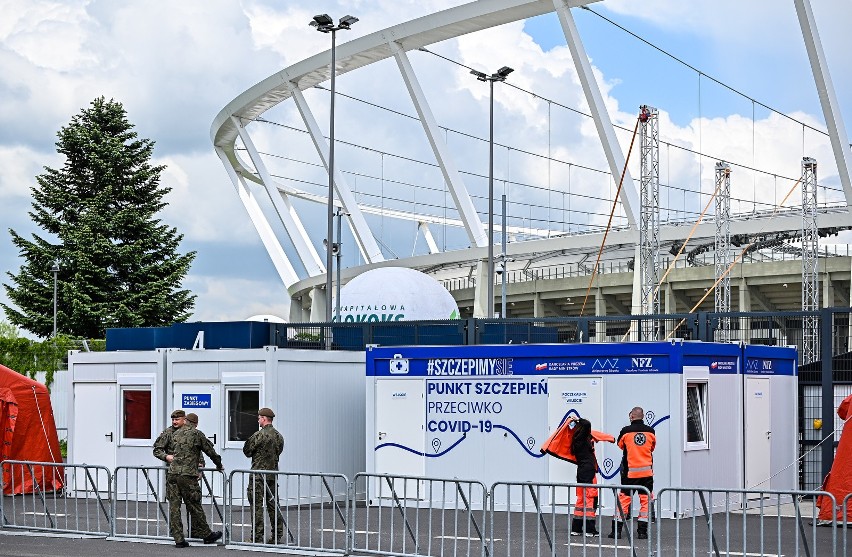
[
  {"x": 382, "y": 435},
  {"x": 213, "y": 437},
  {"x": 109, "y": 435},
  {"x": 768, "y": 434}
]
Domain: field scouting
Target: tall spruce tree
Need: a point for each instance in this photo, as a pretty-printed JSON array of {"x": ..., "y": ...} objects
[{"x": 119, "y": 265}]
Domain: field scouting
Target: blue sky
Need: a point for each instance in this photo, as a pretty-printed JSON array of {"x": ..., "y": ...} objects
[{"x": 175, "y": 65}]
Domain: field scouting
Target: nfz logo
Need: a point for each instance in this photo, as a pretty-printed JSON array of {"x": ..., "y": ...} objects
[
  {"x": 641, "y": 362},
  {"x": 607, "y": 363},
  {"x": 759, "y": 365}
]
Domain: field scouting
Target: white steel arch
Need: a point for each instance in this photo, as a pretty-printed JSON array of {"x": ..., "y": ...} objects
[{"x": 395, "y": 42}]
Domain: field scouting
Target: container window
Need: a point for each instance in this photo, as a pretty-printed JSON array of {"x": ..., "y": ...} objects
[
  {"x": 242, "y": 413},
  {"x": 136, "y": 413},
  {"x": 696, "y": 415}
]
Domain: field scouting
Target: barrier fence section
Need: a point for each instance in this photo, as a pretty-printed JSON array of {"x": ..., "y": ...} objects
[
  {"x": 409, "y": 516},
  {"x": 305, "y": 512},
  {"x": 846, "y": 510},
  {"x": 140, "y": 508},
  {"x": 68, "y": 498},
  {"x": 567, "y": 519},
  {"x": 751, "y": 523}
]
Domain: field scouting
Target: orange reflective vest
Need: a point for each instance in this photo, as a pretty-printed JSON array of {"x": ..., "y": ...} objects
[{"x": 638, "y": 442}]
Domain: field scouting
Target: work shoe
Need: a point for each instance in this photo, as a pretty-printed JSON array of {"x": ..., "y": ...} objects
[
  {"x": 184, "y": 543},
  {"x": 612, "y": 532},
  {"x": 212, "y": 537},
  {"x": 642, "y": 535}
]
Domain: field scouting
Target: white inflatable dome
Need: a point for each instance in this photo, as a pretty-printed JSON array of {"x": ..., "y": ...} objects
[
  {"x": 266, "y": 318},
  {"x": 395, "y": 294}
]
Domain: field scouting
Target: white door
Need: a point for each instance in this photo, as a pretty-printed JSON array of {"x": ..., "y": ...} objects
[
  {"x": 575, "y": 396},
  {"x": 400, "y": 437},
  {"x": 95, "y": 434},
  {"x": 758, "y": 401},
  {"x": 204, "y": 399}
]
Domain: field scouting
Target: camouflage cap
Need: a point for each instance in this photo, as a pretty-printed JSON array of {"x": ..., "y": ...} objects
[
  {"x": 178, "y": 414},
  {"x": 192, "y": 418},
  {"x": 266, "y": 412}
]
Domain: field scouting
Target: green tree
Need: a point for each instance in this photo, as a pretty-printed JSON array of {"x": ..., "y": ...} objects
[
  {"x": 119, "y": 265},
  {"x": 7, "y": 330}
]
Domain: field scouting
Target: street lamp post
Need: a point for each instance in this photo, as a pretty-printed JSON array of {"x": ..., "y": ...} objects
[
  {"x": 55, "y": 271},
  {"x": 503, "y": 261},
  {"x": 324, "y": 24},
  {"x": 501, "y": 75},
  {"x": 338, "y": 252}
]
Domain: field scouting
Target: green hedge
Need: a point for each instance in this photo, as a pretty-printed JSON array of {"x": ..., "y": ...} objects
[{"x": 30, "y": 356}]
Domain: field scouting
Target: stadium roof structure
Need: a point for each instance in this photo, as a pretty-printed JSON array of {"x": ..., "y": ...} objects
[{"x": 275, "y": 203}]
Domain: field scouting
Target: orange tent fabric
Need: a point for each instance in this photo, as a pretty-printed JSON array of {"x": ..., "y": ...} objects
[
  {"x": 559, "y": 442},
  {"x": 28, "y": 433},
  {"x": 838, "y": 482}
]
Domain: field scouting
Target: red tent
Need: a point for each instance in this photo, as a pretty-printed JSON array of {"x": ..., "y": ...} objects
[
  {"x": 28, "y": 433},
  {"x": 838, "y": 482}
]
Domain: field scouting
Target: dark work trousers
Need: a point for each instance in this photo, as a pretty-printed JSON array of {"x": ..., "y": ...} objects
[
  {"x": 180, "y": 489},
  {"x": 262, "y": 492}
]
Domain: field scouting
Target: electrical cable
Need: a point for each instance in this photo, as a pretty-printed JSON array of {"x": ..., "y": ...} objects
[
  {"x": 734, "y": 262},
  {"x": 46, "y": 439},
  {"x": 806, "y": 453},
  {"x": 679, "y": 252},
  {"x": 701, "y": 73},
  {"x": 611, "y": 213}
]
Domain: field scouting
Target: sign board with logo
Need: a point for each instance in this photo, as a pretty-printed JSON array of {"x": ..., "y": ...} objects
[{"x": 484, "y": 411}]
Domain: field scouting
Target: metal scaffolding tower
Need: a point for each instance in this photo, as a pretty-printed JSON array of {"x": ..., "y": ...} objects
[
  {"x": 723, "y": 249},
  {"x": 649, "y": 218},
  {"x": 810, "y": 261}
]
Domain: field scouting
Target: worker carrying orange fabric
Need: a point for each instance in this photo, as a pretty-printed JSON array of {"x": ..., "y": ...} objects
[
  {"x": 574, "y": 441},
  {"x": 637, "y": 441}
]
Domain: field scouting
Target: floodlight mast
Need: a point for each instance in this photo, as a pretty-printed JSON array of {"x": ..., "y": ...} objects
[
  {"x": 324, "y": 24},
  {"x": 500, "y": 75}
]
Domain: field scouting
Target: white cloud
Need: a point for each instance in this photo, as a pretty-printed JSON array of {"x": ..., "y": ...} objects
[
  {"x": 49, "y": 35},
  {"x": 237, "y": 299},
  {"x": 20, "y": 166},
  {"x": 175, "y": 65}
]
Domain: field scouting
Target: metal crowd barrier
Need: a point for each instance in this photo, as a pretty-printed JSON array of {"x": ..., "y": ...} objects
[
  {"x": 139, "y": 505},
  {"x": 847, "y": 508},
  {"x": 751, "y": 522},
  {"x": 67, "y": 498},
  {"x": 535, "y": 519},
  {"x": 408, "y": 516},
  {"x": 304, "y": 512}
]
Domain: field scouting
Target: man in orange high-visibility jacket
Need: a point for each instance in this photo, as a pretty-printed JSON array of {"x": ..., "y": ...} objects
[{"x": 637, "y": 441}]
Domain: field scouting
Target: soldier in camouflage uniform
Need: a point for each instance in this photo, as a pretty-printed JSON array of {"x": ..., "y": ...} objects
[
  {"x": 182, "y": 479},
  {"x": 163, "y": 445},
  {"x": 264, "y": 448},
  {"x": 192, "y": 421}
]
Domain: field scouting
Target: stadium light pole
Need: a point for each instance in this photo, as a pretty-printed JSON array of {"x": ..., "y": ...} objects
[
  {"x": 55, "y": 271},
  {"x": 500, "y": 75},
  {"x": 324, "y": 24}
]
